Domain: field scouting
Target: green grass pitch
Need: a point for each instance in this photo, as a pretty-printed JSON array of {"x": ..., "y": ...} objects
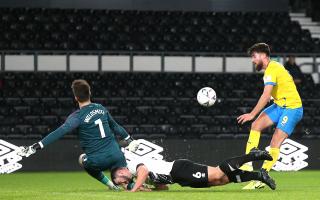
[{"x": 79, "y": 186}]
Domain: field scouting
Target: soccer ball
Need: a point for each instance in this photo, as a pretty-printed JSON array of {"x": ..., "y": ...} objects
[{"x": 206, "y": 96}]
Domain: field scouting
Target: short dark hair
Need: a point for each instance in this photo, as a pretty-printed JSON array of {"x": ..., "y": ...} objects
[
  {"x": 113, "y": 174},
  {"x": 81, "y": 90},
  {"x": 259, "y": 48}
]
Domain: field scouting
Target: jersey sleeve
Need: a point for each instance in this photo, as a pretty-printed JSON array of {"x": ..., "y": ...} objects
[
  {"x": 71, "y": 123},
  {"x": 270, "y": 77},
  {"x": 133, "y": 165},
  {"x": 116, "y": 128}
]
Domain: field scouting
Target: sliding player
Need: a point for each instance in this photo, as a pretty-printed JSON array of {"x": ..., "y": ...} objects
[{"x": 188, "y": 173}]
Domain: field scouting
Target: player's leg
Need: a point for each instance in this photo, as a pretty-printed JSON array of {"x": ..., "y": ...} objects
[
  {"x": 229, "y": 167},
  {"x": 224, "y": 174},
  {"x": 285, "y": 126},
  {"x": 278, "y": 137},
  {"x": 254, "y": 155},
  {"x": 288, "y": 120},
  {"x": 264, "y": 120},
  {"x": 97, "y": 174},
  {"x": 217, "y": 177},
  {"x": 270, "y": 115}
]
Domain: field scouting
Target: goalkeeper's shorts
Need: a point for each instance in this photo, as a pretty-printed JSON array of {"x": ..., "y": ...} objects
[
  {"x": 187, "y": 173},
  {"x": 101, "y": 162}
]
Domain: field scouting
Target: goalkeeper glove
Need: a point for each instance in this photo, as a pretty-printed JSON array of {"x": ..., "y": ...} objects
[
  {"x": 26, "y": 151},
  {"x": 133, "y": 144}
]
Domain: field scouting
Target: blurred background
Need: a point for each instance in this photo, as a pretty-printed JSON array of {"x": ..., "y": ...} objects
[{"x": 146, "y": 61}]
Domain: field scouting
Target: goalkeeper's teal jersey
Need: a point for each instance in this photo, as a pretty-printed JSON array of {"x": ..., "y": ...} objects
[{"x": 96, "y": 129}]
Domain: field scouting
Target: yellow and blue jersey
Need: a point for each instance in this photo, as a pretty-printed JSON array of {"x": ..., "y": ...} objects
[{"x": 284, "y": 92}]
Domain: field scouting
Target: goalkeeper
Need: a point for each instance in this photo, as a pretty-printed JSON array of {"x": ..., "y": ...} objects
[{"x": 96, "y": 129}]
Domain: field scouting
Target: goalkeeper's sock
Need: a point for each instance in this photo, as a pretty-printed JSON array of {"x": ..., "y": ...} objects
[
  {"x": 99, "y": 176},
  {"x": 274, "y": 152},
  {"x": 105, "y": 180},
  {"x": 253, "y": 140}
]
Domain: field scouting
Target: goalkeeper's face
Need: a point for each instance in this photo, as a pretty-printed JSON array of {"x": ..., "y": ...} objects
[
  {"x": 256, "y": 59},
  {"x": 122, "y": 177}
]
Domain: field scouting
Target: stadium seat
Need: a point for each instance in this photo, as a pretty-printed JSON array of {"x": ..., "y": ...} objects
[
  {"x": 153, "y": 116},
  {"x": 116, "y": 30}
]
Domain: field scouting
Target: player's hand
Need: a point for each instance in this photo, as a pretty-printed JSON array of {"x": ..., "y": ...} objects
[
  {"x": 133, "y": 146},
  {"x": 26, "y": 151},
  {"x": 245, "y": 117}
]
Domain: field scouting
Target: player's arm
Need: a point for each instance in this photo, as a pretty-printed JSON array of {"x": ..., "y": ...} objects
[
  {"x": 119, "y": 130},
  {"x": 263, "y": 101},
  {"x": 70, "y": 124},
  {"x": 142, "y": 175}
]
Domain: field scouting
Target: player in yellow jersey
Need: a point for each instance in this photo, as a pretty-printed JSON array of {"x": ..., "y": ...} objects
[{"x": 285, "y": 112}]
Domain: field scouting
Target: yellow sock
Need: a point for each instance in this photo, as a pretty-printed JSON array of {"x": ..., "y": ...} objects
[
  {"x": 253, "y": 140},
  {"x": 274, "y": 152}
]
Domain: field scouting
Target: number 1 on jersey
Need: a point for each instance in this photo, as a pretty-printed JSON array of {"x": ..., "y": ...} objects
[{"x": 99, "y": 122}]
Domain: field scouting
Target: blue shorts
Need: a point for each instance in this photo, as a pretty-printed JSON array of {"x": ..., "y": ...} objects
[{"x": 285, "y": 118}]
